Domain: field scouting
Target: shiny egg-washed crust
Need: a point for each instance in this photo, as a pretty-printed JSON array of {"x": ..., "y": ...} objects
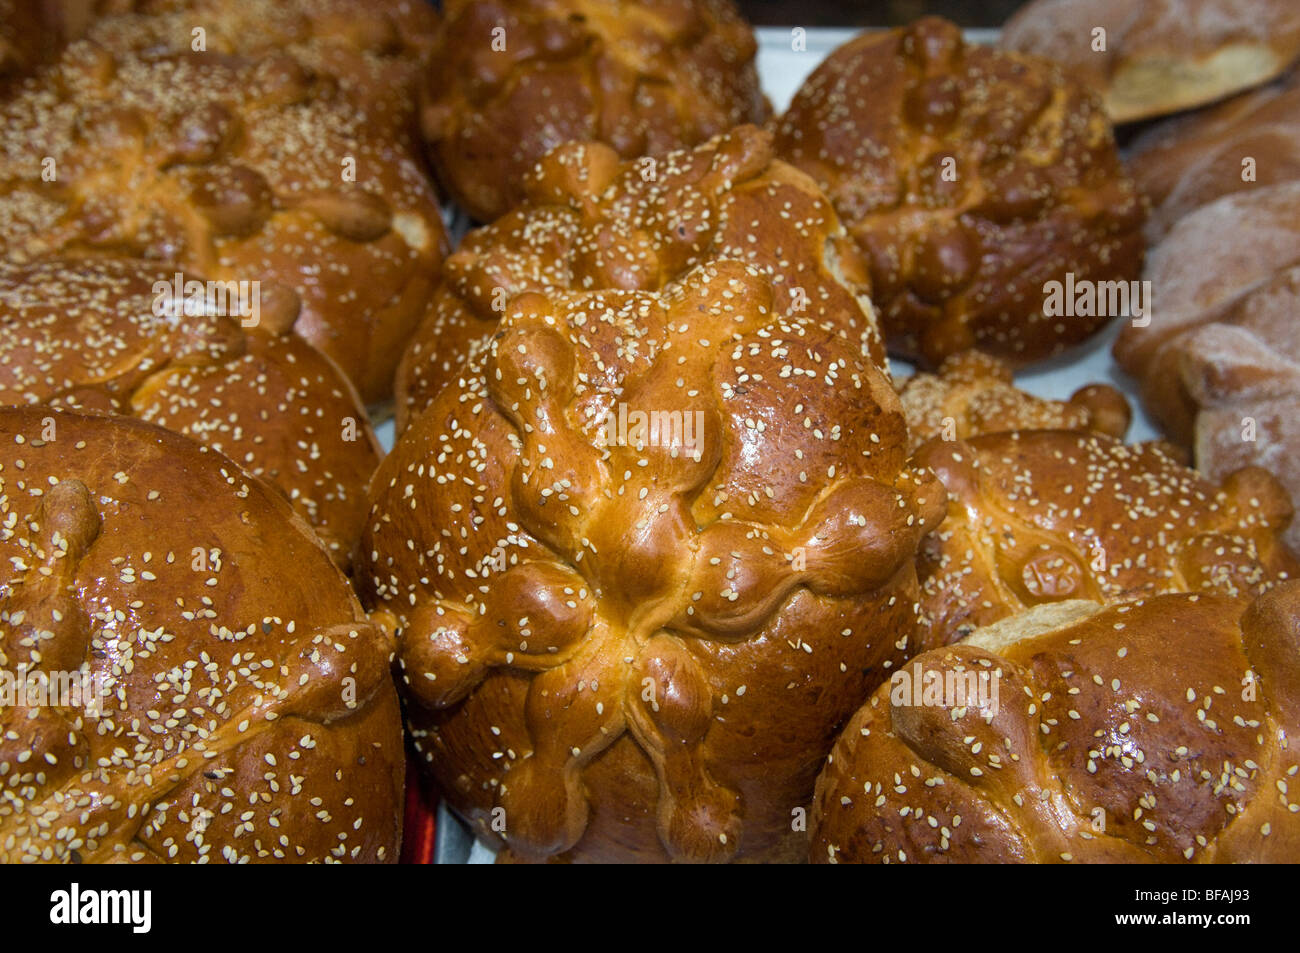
[
  {"x": 83, "y": 334},
  {"x": 970, "y": 178},
  {"x": 250, "y": 716},
  {"x": 1161, "y": 56},
  {"x": 377, "y": 49},
  {"x": 644, "y": 78},
  {"x": 973, "y": 393},
  {"x": 1046, "y": 516},
  {"x": 1157, "y": 731},
  {"x": 644, "y": 654},
  {"x": 1219, "y": 365},
  {"x": 591, "y": 221},
  {"x": 1191, "y": 160},
  {"x": 233, "y": 168}
]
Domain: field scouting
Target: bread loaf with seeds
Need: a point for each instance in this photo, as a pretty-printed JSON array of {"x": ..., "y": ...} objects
[
  {"x": 233, "y": 168},
  {"x": 232, "y": 702},
  {"x": 1047, "y": 516},
  {"x": 970, "y": 178},
  {"x": 642, "y": 560},
  {"x": 591, "y": 221},
  {"x": 973, "y": 393},
  {"x": 99, "y": 335},
  {"x": 1156, "y": 731},
  {"x": 511, "y": 81}
]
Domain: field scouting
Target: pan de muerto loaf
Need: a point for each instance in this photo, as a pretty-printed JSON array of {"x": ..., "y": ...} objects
[
  {"x": 377, "y": 49},
  {"x": 1157, "y": 731},
  {"x": 1045, "y": 516},
  {"x": 970, "y": 178},
  {"x": 192, "y": 680},
  {"x": 510, "y": 81},
  {"x": 1219, "y": 363},
  {"x": 590, "y": 221},
  {"x": 1154, "y": 57},
  {"x": 1249, "y": 142},
  {"x": 99, "y": 335},
  {"x": 642, "y": 562},
  {"x": 974, "y": 393},
  {"x": 234, "y": 169}
]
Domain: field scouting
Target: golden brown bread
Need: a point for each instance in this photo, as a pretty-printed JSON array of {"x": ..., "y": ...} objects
[
  {"x": 970, "y": 179},
  {"x": 510, "y": 81},
  {"x": 1046, "y": 516},
  {"x": 377, "y": 49},
  {"x": 235, "y": 169},
  {"x": 1157, "y": 731},
  {"x": 1161, "y": 56},
  {"x": 974, "y": 393},
  {"x": 85, "y": 335},
  {"x": 1248, "y": 142},
  {"x": 590, "y": 221},
  {"x": 627, "y": 642},
  {"x": 250, "y": 716}
]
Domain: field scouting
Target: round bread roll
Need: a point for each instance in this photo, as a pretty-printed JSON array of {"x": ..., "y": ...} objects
[
  {"x": 510, "y": 81},
  {"x": 235, "y": 169},
  {"x": 971, "y": 179},
  {"x": 628, "y": 635},
  {"x": 1046, "y": 516},
  {"x": 1249, "y": 142},
  {"x": 974, "y": 393},
  {"x": 590, "y": 221},
  {"x": 1157, "y": 731},
  {"x": 1159, "y": 56},
  {"x": 99, "y": 335},
  {"x": 232, "y": 703},
  {"x": 377, "y": 49}
]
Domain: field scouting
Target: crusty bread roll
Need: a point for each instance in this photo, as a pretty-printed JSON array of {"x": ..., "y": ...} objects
[
  {"x": 590, "y": 221},
  {"x": 1045, "y": 516},
  {"x": 1249, "y": 142},
  {"x": 87, "y": 334},
  {"x": 235, "y": 169},
  {"x": 623, "y": 639},
  {"x": 970, "y": 178},
  {"x": 510, "y": 81},
  {"x": 249, "y": 715},
  {"x": 1161, "y": 56},
  {"x": 974, "y": 393},
  {"x": 1157, "y": 731}
]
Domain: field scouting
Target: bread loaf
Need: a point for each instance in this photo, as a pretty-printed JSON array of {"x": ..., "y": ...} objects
[
  {"x": 1159, "y": 56},
  {"x": 511, "y": 81},
  {"x": 971, "y": 179},
  {"x": 642, "y": 561},
  {"x": 232, "y": 703},
  {"x": 1156, "y": 731}
]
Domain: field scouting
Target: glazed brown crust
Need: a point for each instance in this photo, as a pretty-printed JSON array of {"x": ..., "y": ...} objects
[
  {"x": 591, "y": 221},
  {"x": 84, "y": 335},
  {"x": 970, "y": 178},
  {"x": 644, "y": 78},
  {"x": 974, "y": 393},
  {"x": 1046, "y": 516},
  {"x": 233, "y": 168},
  {"x": 643, "y": 653},
  {"x": 251, "y": 715},
  {"x": 1161, "y": 56},
  {"x": 1156, "y": 731}
]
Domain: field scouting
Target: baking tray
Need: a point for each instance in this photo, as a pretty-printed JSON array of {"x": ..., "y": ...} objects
[{"x": 443, "y": 838}]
